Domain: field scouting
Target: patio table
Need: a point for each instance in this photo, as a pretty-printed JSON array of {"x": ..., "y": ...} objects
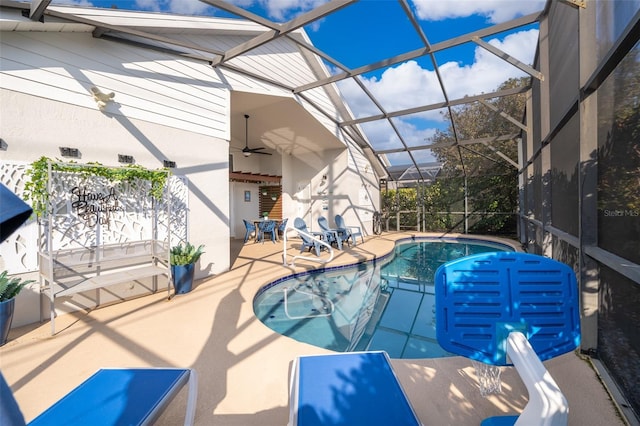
[{"x": 257, "y": 223}]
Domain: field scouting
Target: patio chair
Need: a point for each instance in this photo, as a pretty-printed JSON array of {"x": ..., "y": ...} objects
[
  {"x": 283, "y": 226},
  {"x": 349, "y": 233},
  {"x": 355, "y": 388},
  {"x": 267, "y": 227},
  {"x": 251, "y": 228},
  {"x": 331, "y": 236},
  {"x": 307, "y": 242},
  {"x": 111, "y": 396}
]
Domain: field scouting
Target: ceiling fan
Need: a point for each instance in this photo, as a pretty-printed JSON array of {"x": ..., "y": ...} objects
[{"x": 246, "y": 151}]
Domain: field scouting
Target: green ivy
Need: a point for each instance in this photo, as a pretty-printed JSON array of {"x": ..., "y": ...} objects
[{"x": 36, "y": 187}]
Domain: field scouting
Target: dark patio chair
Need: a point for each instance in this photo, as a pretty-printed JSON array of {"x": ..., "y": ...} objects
[{"x": 307, "y": 242}]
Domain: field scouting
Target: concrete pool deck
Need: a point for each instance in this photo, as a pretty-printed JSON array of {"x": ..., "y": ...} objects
[{"x": 243, "y": 366}]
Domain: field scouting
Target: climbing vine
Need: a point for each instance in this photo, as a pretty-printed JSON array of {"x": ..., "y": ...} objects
[{"x": 36, "y": 187}]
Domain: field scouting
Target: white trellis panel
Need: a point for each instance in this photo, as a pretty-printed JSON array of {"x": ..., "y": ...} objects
[{"x": 128, "y": 214}]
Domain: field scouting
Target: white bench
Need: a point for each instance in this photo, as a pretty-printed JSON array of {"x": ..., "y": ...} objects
[{"x": 70, "y": 271}]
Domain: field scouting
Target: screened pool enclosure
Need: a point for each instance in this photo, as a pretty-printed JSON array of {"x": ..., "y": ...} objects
[{"x": 550, "y": 155}]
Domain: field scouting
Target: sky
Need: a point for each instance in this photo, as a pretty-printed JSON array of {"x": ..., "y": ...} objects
[{"x": 373, "y": 30}]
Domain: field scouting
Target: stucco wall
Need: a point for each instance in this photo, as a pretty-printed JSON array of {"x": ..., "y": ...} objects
[{"x": 32, "y": 127}]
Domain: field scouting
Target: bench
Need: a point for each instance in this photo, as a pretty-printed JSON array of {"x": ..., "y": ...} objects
[{"x": 66, "y": 272}]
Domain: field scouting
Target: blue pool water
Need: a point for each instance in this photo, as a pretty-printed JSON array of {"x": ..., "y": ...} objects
[{"x": 387, "y": 304}]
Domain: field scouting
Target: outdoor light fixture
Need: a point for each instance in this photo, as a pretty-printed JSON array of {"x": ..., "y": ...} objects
[
  {"x": 126, "y": 159},
  {"x": 102, "y": 98},
  {"x": 66, "y": 151},
  {"x": 274, "y": 197},
  {"x": 169, "y": 164}
]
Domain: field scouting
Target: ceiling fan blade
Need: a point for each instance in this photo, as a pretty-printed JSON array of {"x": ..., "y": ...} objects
[{"x": 260, "y": 152}]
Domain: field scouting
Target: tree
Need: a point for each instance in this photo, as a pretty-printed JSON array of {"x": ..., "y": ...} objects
[
  {"x": 477, "y": 121},
  {"x": 492, "y": 182}
]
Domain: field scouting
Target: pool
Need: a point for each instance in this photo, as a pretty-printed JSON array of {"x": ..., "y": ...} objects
[{"x": 387, "y": 304}]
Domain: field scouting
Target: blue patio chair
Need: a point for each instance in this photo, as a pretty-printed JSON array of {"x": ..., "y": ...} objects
[
  {"x": 349, "y": 233},
  {"x": 251, "y": 228},
  {"x": 307, "y": 242},
  {"x": 331, "y": 236},
  {"x": 267, "y": 227},
  {"x": 283, "y": 226},
  {"x": 111, "y": 396}
]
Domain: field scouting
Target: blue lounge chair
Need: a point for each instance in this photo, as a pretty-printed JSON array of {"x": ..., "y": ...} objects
[
  {"x": 349, "y": 233},
  {"x": 111, "y": 397},
  {"x": 331, "y": 236},
  {"x": 267, "y": 227},
  {"x": 351, "y": 388},
  {"x": 307, "y": 242},
  {"x": 250, "y": 227}
]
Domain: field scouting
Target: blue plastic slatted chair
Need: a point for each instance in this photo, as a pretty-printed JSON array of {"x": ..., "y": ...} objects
[
  {"x": 348, "y": 233},
  {"x": 111, "y": 397},
  {"x": 307, "y": 242},
  {"x": 331, "y": 236},
  {"x": 353, "y": 388},
  {"x": 251, "y": 229},
  {"x": 505, "y": 307},
  {"x": 283, "y": 226},
  {"x": 267, "y": 227}
]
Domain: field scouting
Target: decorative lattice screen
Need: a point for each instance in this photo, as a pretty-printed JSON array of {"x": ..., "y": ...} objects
[{"x": 86, "y": 211}]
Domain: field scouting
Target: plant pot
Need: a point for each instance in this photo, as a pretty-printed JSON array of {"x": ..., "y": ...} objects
[
  {"x": 182, "y": 277},
  {"x": 6, "y": 317}
]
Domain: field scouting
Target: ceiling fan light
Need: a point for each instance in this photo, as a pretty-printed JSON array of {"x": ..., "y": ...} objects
[{"x": 246, "y": 153}]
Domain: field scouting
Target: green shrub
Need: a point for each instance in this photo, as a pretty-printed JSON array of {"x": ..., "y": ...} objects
[
  {"x": 186, "y": 254},
  {"x": 10, "y": 287}
]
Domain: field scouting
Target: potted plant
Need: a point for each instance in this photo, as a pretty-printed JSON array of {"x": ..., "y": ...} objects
[
  {"x": 9, "y": 289},
  {"x": 183, "y": 259}
]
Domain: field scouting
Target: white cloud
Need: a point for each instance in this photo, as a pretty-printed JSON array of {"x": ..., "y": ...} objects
[
  {"x": 405, "y": 86},
  {"x": 495, "y": 11},
  {"x": 408, "y": 85},
  {"x": 488, "y": 71},
  {"x": 281, "y": 10},
  {"x": 80, "y": 3},
  {"x": 182, "y": 7}
]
